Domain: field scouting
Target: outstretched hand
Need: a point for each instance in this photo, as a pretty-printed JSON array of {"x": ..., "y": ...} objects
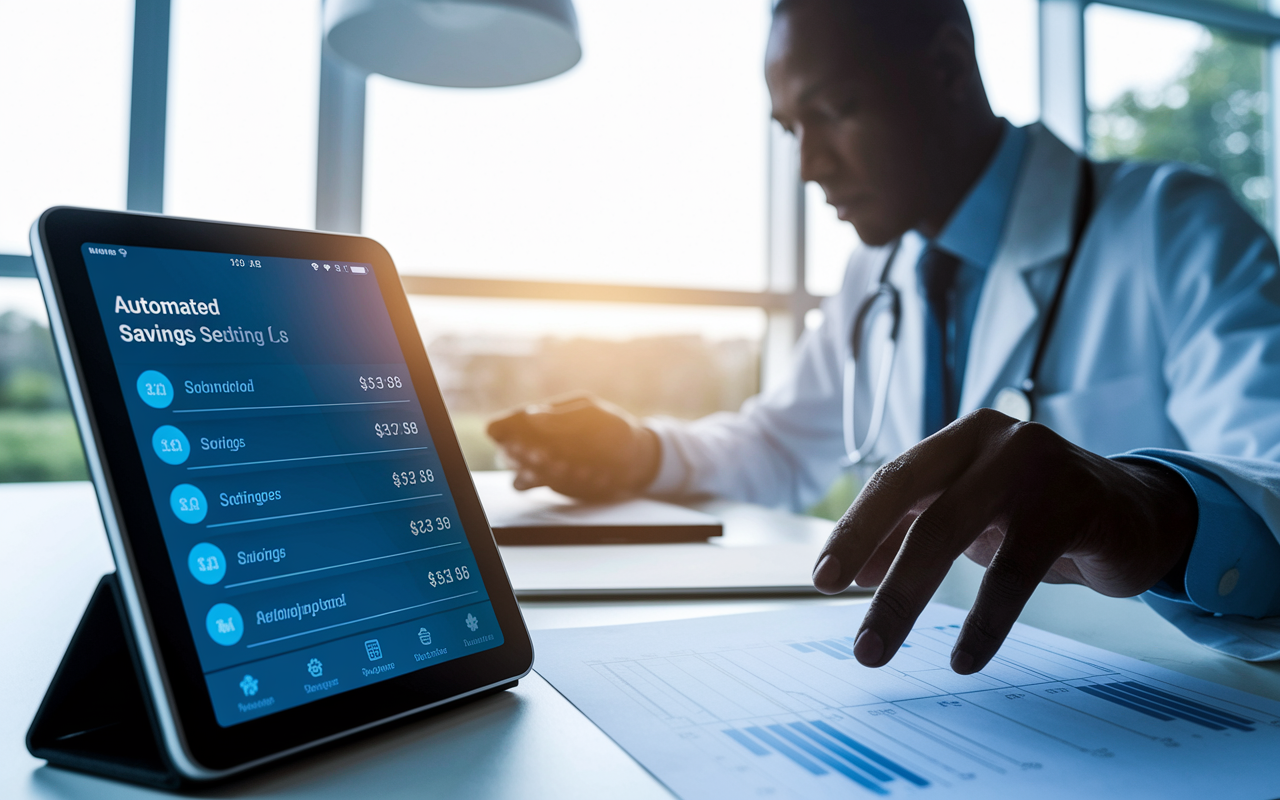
[
  {"x": 1018, "y": 499},
  {"x": 581, "y": 447}
]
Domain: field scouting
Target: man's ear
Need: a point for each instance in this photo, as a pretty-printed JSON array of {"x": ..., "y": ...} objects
[{"x": 953, "y": 62}]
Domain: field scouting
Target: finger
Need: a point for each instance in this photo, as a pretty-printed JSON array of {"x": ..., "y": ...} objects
[
  {"x": 566, "y": 404},
  {"x": 573, "y": 479},
  {"x": 873, "y": 572},
  {"x": 528, "y": 479},
  {"x": 535, "y": 456},
  {"x": 562, "y": 425},
  {"x": 908, "y": 482},
  {"x": 509, "y": 427},
  {"x": 538, "y": 420},
  {"x": 1015, "y": 572},
  {"x": 933, "y": 542}
]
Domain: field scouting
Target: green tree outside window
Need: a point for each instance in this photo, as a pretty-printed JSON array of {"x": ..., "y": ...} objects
[{"x": 1213, "y": 115}]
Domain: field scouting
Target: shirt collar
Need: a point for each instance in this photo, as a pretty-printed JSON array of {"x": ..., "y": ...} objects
[{"x": 974, "y": 231}]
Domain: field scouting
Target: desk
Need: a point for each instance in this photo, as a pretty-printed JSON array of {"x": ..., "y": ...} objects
[{"x": 525, "y": 743}]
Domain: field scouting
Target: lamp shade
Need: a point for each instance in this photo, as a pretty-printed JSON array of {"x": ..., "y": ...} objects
[{"x": 463, "y": 43}]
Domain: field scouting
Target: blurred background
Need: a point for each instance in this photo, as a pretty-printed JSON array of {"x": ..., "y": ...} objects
[{"x": 633, "y": 228}]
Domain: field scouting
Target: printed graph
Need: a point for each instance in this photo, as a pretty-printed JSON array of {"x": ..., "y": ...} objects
[
  {"x": 803, "y": 716},
  {"x": 816, "y": 747}
]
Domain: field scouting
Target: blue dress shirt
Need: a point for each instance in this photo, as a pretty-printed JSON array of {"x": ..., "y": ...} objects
[
  {"x": 1232, "y": 541},
  {"x": 973, "y": 235}
]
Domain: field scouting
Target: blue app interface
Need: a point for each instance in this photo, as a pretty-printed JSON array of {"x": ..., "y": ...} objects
[{"x": 316, "y": 544}]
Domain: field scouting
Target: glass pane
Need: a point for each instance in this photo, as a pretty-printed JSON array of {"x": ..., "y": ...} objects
[
  {"x": 1162, "y": 88},
  {"x": 66, "y": 67},
  {"x": 644, "y": 164},
  {"x": 244, "y": 94},
  {"x": 38, "y": 438},
  {"x": 1006, "y": 33},
  {"x": 492, "y": 355}
]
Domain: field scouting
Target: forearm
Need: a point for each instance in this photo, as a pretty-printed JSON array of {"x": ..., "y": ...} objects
[{"x": 737, "y": 456}]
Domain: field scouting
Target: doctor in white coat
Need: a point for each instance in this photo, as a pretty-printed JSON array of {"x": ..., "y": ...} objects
[{"x": 1130, "y": 311}]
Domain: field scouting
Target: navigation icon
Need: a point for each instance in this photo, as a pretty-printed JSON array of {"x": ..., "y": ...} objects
[
  {"x": 472, "y": 622},
  {"x": 315, "y": 668},
  {"x": 373, "y": 649},
  {"x": 249, "y": 685},
  {"x": 424, "y": 636}
]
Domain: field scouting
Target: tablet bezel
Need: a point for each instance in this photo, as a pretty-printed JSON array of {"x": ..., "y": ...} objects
[{"x": 208, "y": 750}]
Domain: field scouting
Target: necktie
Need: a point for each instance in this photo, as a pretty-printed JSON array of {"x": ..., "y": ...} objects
[{"x": 938, "y": 270}]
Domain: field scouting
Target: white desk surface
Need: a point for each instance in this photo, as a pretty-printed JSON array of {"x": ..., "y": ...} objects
[{"x": 524, "y": 743}]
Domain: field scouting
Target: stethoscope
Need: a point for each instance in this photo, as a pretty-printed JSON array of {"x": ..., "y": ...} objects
[{"x": 882, "y": 308}]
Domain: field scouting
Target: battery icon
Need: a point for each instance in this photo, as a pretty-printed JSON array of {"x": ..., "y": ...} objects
[{"x": 359, "y": 270}]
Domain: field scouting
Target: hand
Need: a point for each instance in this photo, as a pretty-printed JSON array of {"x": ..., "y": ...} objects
[
  {"x": 1016, "y": 498},
  {"x": 581, "y": 447}
]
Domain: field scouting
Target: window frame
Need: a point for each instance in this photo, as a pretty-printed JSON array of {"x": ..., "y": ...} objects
[{"x": 1064, "y": 107}]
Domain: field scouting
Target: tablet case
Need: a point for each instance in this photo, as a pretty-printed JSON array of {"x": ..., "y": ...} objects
[{"x": 97, "y": 715}]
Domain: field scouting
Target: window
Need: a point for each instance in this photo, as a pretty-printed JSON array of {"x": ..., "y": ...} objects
[
  {"x": 646, "y": 164},
  {"x": 65, "y": 70},
  {"x": 244, "y": 91},
  {"x": 1161, "y": 88},
  {"x": 1005, "y": 33},
  {"x": 493, "y": 355},
  {"x": 643, "y": 164}
]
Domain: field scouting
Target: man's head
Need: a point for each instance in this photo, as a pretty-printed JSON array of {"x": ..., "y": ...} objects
[{"x": 886, "y": 101}]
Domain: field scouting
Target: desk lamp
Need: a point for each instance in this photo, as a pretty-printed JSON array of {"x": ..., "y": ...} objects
[{"x": 461, "y": 43}]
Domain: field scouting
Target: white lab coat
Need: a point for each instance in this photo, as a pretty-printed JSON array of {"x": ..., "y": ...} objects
[{"x": 1168, "y": 337}]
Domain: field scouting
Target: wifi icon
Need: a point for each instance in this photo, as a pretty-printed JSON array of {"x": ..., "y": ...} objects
[{"x": 326, "y": 267}]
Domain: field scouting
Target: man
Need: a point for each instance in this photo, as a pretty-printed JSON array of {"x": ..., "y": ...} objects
[{"x": 1141, "y": 300}]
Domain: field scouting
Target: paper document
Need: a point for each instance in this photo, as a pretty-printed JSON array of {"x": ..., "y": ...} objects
[{"x": 774, "y": 705}]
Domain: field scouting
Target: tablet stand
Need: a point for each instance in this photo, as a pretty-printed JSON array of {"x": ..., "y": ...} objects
[{"x": 97, "y": 715}]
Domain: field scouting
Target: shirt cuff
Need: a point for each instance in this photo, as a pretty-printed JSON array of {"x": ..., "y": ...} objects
[
  {"x": 1234, "y": 563},
  {"x": 673, "y": 472}
]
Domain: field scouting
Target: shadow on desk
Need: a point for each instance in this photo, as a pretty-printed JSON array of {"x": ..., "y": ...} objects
[
  {"x": 523, "y": 743},
  {"x": 425, "y": 754}
]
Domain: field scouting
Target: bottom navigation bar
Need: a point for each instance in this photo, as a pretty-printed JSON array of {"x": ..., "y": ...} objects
[{"x": 273, "y": 684}]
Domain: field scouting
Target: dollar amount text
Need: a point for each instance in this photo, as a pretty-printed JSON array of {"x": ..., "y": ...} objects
[
  {"x": 440, "y": 577},
  {"x": 370, "y": 383},
  {"x": 420, "y": 526},
  {"x": 383, "y": 429},
  {"x": 412, "y": 478}
]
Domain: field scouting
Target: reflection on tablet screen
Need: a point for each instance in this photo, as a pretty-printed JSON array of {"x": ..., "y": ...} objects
[{"x": 314, "y": 539}]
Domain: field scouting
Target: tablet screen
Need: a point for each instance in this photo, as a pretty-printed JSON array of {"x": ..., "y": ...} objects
[{"x": 316, "y": 544}]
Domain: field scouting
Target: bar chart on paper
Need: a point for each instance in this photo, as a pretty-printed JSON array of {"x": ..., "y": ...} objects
[{"x": 775, "y": 705}]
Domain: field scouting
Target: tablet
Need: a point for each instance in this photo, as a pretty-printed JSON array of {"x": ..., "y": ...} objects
[{"x": 300, "y": 547}]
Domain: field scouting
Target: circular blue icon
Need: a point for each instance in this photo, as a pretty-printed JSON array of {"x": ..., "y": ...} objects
[
  {"x": 170, "y": 444},
  {"x": 188, "y": 503},
  {"x": 207, "y": 563},
  {"x": 224, "y": 624},
  {"x": 155, "y": 389}
]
